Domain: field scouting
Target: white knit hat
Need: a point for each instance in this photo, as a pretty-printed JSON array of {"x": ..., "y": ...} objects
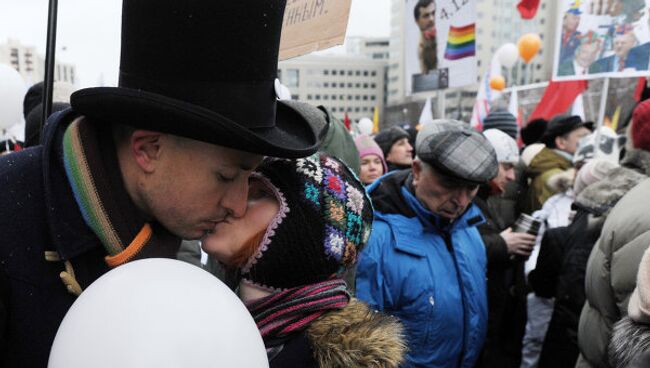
[{"x": 505, "y": 147}]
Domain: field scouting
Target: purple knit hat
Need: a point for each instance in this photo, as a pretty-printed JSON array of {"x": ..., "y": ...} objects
[{"x": 367, "y": 146}]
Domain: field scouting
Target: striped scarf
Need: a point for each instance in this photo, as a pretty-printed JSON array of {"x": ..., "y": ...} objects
[
  {"x": 280, "y": 315},
  {"x": 92, "y": 169}
]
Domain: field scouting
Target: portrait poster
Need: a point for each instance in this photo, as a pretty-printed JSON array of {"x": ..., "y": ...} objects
[
  {"x": 439, "y": 44},
  {"x": 602, "y": 38},
  {"x": 312, "y": 25}
]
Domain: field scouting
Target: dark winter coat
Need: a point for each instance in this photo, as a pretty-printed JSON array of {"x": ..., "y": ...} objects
[
  {"x": 352, "y": 337},
  {"x": 38, "y": 213},
  {"x": 506, "y": 293}
]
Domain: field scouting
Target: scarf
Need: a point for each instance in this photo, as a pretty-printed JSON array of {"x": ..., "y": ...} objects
[
  {"x": 92, "y": 169},
  {"x": 280, "y": 315}
]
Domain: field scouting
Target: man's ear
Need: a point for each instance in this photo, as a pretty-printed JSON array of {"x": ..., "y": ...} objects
[
  {"x": 145, "y": 146},
  {"x": 560, "y": 142},
  {"x": 417, "y": 171}
]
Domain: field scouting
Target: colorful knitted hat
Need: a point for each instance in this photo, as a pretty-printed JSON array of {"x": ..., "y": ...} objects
[
  {"x": 324, "y": 220},
  {"x": 367, "y": 146}
]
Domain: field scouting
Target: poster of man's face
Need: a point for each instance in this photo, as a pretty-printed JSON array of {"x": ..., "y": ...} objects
[
  {"x": 603, "y": 38},
  {"x": 424, "y": 14},
  {"x": 439, "y": 44}
]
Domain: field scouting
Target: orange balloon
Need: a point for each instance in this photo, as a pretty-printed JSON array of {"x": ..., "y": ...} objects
[
  {"x": 498, "y": 83},
  {"x": 529, "y": 44}
]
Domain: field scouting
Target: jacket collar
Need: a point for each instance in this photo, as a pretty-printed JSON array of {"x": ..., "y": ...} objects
[
  {"x": 409, "y": 239},
  {"x": 69, "y": 233}
]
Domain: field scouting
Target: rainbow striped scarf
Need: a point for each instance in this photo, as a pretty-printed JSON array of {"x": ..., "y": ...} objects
[
  {"x": 280, "y": 315},
  {"x": 91, "y": 166}
]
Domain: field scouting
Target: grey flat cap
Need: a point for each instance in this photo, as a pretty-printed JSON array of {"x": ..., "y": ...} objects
[{"x": 457, "y": 151}]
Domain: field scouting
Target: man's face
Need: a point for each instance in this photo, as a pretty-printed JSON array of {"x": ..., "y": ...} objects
[
  {"x": 427, "y": 18},
  {"x": 571, "y": 22},
  {"x": 505, "y": 176},
  {"x": 443, "y": 196},
  {"x": 623, "y": 44},
  {"x": 196, "y": 185},
  {"x": 401, "y": 153},
  {"x": 569, "y": 142},
  {"x": 587, "y": 54}
]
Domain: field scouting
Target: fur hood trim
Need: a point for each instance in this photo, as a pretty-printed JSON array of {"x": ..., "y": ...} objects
[
  {"x": 629, "y": 340},
  {"x": 600, "y": 197},
  {"x": 638, "y": 160},
  {"x": 357, "y": 337}
]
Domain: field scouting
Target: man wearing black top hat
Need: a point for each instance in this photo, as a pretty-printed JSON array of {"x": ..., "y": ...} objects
[
  {"x": 561, "y": 139},
  {"x": 129, "y": 171}
]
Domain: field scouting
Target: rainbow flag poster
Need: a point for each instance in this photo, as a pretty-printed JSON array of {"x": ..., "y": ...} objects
[{"x": 461, "y": 42}]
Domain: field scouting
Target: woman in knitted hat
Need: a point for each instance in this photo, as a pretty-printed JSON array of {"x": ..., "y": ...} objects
[
  {"x": 373, "y": 164},
  {"x": 305, "y": 223}
]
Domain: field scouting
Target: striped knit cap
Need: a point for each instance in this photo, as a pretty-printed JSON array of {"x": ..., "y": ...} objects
[
  {"x": 324, "y": 220},
  {"x": 502, "y": 120}
]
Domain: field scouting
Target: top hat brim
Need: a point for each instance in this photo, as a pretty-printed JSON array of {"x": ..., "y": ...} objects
[{"x": 294, "y": 135}]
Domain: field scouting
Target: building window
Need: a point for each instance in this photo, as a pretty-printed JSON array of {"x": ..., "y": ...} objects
[
  {"x": 365, "y": 97},
  {"x": 333, "y": 97},
  {"x": 357, "y": 97},
  {"x": 373, "y": 73},
  {"x": 326, "y": 97},
  {"x": 365, "y": 85},
  {"x": 333, "y": 84},
  {"x": 350, "y": 73},
  {"x": 309, "y": 97},
  {"x": 358, "y": 85},
  {"x": 349, "y": 97},
  {"x": 326, "y": 84},
  {"x": 295, "y": 97},
  {"x": 365, "y": 73},
  {"x": 326, "y": 72},
  {"x": 293, "y": 78},
  {"x": 341, "y": 72},
  {"x": 349, "y": 85},
  {"x": 357, "y": 73},
  {"x": 373, "y": 98},
  {"x": 317, "y": 97},
  {"x": 333, "y": 72},
  {"x": 373, "y": 85},
  {"x": 356, "y": 109}
]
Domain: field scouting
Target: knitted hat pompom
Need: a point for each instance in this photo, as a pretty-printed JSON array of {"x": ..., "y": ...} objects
[{"x": 324, "y": 220}]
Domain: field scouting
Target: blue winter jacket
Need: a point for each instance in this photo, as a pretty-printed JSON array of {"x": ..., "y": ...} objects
[{"x": 428, "y": 273}]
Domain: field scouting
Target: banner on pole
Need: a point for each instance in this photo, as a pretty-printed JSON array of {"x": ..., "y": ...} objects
[
  {"x": 602, "y": 39},
  {"x": 440, "y": 44},
  {"x": 312, "y": 25}
]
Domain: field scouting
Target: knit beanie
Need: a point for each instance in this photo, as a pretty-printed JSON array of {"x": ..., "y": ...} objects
[
  {"x": 503, "y": 121},
  {"x": 33, "y": 127},
  {"x": 367, "y": 146},
  {"x": 533, "y": 131},
  {"x": 641, "y": 126},
  {"x": 386, "y": 138},
  {"x": 592, "y": 172},
  {"x": 504, "y": 145},
  {"x": 324, "y": 220},
  {"x": 529, "y": 153}
]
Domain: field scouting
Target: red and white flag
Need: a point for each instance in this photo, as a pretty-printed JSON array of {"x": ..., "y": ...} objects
[
  {"x": 558, "y": 98},
  {"x": 528, "y": 8},
  {"x": 513, "y": 108}
]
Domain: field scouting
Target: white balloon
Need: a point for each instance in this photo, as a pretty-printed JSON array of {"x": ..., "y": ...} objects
[
  {"x": 158, "y": 313},
  {"x": 12, "y": 93},
  {"x": 365, "y": 126},
  {"x": 508, "y": 54}
]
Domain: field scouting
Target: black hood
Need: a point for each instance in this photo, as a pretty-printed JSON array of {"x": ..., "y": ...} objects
[{"x": 386, "y": 194}]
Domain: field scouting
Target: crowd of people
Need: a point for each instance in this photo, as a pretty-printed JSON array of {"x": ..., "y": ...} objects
[{"x": 441, "y": 246}]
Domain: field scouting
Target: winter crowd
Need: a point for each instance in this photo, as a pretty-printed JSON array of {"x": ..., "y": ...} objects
[{"x": 436, "y": 247}]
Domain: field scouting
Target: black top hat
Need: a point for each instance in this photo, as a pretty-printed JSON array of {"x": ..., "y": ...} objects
[{"x": 205, "y": 70}]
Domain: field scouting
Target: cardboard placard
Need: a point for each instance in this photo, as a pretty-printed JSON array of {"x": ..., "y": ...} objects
[{"x": 312, "y": 25}]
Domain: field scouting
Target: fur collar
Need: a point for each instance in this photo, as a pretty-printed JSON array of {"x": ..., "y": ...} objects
[
  {"x": 629, "y": 340},
  {"x": 357, "y": 337},
  {"x": 600, "y": 197},
  {"x": 638, "y": 160}
]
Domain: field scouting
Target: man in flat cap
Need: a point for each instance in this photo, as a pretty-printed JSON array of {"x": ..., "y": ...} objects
[
  {"x": 425, "y": 262},
  {"x": 130, "y": 170}
]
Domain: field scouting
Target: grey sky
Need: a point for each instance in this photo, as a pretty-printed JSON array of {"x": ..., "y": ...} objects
[{"x": 90, "y": 31}]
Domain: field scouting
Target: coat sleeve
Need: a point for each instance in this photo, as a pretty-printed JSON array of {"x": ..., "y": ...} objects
[
  {"x": 371, "y": 284},
  {"x": 544, "y": 278},
  {"x": 496, "y": 249}
]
